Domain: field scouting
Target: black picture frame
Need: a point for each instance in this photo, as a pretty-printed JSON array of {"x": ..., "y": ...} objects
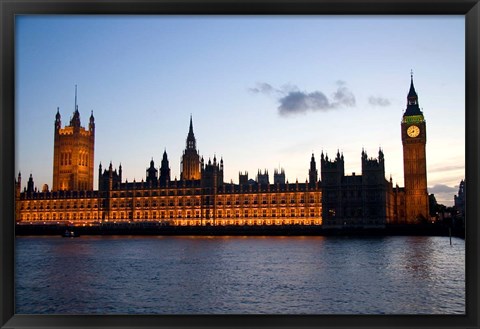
[{"x": 11, "y": 8}]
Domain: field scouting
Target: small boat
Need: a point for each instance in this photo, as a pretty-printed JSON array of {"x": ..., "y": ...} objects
[{"x": 70, "y": 234}]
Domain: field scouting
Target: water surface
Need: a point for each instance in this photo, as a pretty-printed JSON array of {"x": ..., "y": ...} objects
[{"x": 239, "y": 275}]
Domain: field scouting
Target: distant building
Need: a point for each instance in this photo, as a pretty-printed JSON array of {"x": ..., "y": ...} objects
[{"x": 459, "y": 200}]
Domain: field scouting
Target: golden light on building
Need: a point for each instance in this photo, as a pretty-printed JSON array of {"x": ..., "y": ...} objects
[
  {"x": 73, "y": 153},
  {"x": 202, "y": 198}
]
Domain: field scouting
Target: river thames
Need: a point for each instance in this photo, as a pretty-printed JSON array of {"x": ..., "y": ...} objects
[{"x": 239, "y": 275}]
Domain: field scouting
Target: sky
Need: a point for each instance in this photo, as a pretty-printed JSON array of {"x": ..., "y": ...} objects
[{"x": 264, "y": 92}]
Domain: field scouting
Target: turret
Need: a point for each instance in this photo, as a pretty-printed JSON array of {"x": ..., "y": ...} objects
[
  {"x": 100, "y": 176},
  {"x": 381, "y": 158},
  {"x": 263, "y": 179},
  {"x": 279, "y": 176},
  {"x": 313, "y": 172},
  {"x": 212, "y": 173},
  {"x": 91, "y": 125},
  {"x": 373, "y": 170},
  {"x": 58, "y": 120},
  {"x": 152, "y": 174},
  {"x": 332, "y": 171},
  {"x": 164, "y": 170},
  {"x": 243, "y": 178},
  {"x": 30, "y": 186},
  {"x": 18, "y": 185}
]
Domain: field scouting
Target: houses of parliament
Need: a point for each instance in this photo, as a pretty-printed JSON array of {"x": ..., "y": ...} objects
[{"x": 202, "y": 197}]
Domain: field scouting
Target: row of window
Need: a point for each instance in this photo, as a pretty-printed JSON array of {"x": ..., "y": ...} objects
[
  {"x": 59, "y": 216},
  {"x": 198, "y": 192},
  {"x": 163, "y": 192},
  {"x": 163, "y": 202},
  {"x": 312, "y": 212},
  {"x": 83, "y": 159},
  {"x": 66, "y": 159},
  {"x": 220, "y": 214},
  {"x": 114, "y": 206},
  {"x": 247, "y": 222},
  {"x": 249, "y": 199},
  {"x": 48, "y": 206},
  {"x": 196, "y": 202}
]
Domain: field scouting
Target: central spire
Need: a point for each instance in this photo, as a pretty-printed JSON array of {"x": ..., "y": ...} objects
[
  {"x": 191, "y": 137},
  {"x": 190, "y": 130},
  {"x": 190, "y": 164}
]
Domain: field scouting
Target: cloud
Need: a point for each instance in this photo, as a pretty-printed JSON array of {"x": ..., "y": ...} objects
[
  {"x": 263, "y": 88},
  {"x": 293, "y": 101},
  {"x": 441, "y": 188},
  {"x": 444, "y": 194},
  {"x": 300, "y": 102},
  {"x": 343, "y": 96},
  {"x": 378, "y": 101},
  {"x": 445, "y": 168}
]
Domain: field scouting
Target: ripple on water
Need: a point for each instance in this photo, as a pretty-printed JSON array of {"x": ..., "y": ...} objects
[{"x": 244, "y": 275}]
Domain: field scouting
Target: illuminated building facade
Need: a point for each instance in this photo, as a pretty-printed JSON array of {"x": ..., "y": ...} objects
[
  {"x": 201, "y": 197},
  {"x": 185, "y": 202},
  {"x": 73, "y": 153}
]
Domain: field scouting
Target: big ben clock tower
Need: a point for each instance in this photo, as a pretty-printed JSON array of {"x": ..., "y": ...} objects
[{"x": 414, "y": 139}]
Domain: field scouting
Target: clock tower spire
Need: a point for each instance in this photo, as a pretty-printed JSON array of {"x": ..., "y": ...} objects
[{"x": 414, "y": 140}]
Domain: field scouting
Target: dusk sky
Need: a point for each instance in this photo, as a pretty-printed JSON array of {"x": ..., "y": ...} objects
[{"x": 264, "y": 92}]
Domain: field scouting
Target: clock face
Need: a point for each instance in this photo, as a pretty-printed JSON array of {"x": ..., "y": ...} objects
[{"x": 413, "y": 131}]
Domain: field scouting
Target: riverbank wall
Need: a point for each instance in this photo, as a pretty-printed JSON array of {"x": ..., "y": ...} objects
[{"x": 267, "y": 230}]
